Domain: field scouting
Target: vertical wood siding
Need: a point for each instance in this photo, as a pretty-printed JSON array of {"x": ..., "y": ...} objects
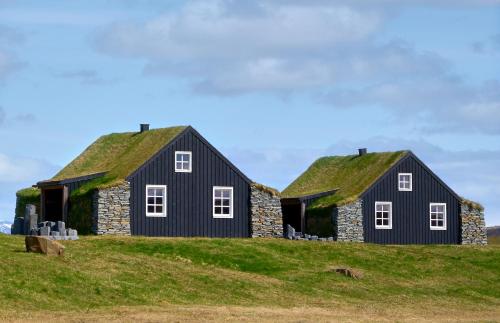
[
  {"x": 189, "y": 195},
  {"x": 410, "y": 210}
]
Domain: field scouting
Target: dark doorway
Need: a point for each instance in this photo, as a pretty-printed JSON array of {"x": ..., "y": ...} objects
[
  {"x": 291, "y": 216},
  {"x": 53, "y": 204}
]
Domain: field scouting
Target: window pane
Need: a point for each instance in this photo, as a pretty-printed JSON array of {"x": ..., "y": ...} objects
[
  {"x": 218, "y": 210},
  {"x": 218, "y": 202},
  {"x": 218, "y": 193},
  {"x": 379, "y": 221},
  {"x": 151, "y": 209},
  {"x": 151, "y": 192},
  {"x": 440, "y": 208},
  {"x": 151, "y": 200},
  {"x": 159, "y": 200},
  {"x": 178, "y": 157},
  {"x": 433, "y": 208},
  {"x": 178, "y": 165},
  {"x": 385, "y": 222},
  {"x": 433, "y": 223},
  {"x": 159, "y": 209},
  {"x": 226, "y": 202},
  {"x": 185, "y": 157},
  {"x": 226, "y": 210},
  {"x": 226, "y": 193},
  {"x": 185, "y": 166},
  {"x": 385, "y": 207},
  {"x": 159, "y": 192}
]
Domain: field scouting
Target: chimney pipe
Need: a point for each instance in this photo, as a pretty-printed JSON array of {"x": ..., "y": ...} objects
[
  {"x": 144, "y": 127},
  {"x": 362, "y": 151}
]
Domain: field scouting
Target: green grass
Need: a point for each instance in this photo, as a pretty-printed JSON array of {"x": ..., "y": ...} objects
[
  {"x": 352, "y": 175},
  {"x": 119, "y": 154},
  {"x": 103, "y": 272}
]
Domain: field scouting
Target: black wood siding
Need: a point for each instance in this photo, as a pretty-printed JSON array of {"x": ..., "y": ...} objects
[
  {"x": 189, "y": 195},
  {"x": 410, "y": 210}
]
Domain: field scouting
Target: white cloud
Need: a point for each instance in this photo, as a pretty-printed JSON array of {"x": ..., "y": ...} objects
[
  {"x": 19, "y": 169},
  {"x": 327, "y": 49}
]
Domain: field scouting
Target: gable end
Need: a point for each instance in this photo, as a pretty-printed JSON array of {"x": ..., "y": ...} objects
[{"x": 422, "y": 164}]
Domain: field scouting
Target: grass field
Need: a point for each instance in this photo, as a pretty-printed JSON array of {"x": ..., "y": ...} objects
[{"x": 145, "y": 279}]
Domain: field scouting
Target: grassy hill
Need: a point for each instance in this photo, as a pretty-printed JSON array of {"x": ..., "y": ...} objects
[{"x": 104, "y": 278}]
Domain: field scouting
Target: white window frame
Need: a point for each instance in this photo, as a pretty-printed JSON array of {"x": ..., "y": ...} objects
[
  {"x": 190, "y": 164},
  {"x": 154, "y": 214},
  {"x": 400, "y": 181},
  {"x": 231, "y": 203},
  {"x": 444, "y": 227},
  {"x": 384, "y": 227}
]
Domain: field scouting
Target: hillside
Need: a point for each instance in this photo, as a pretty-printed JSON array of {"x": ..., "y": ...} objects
[
  {"x": 494, "y": 235},
  {"x": 104, "y": 278}
]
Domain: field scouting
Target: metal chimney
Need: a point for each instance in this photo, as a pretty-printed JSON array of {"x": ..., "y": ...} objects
[
  {"x": 144, "y": 127},
  {"x": 362, "y": 151}
]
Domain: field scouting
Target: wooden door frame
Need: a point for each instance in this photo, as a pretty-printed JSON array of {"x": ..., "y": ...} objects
[{"x": 64, "y": 205}]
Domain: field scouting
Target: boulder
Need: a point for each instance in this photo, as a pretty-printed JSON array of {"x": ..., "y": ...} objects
[
  {"x": 349, "y": 272},
  {"x": 44, "y": 245}
]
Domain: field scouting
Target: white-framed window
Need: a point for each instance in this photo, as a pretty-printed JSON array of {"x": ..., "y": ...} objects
[
  {"x": 183, "y": 161},
  {"x": 383, "y": 215},
  {"x": 223, "y": 202},
  {"x": 156, "y": 200},
  {"x": 438, "y": 216},
  {"x": 405, "y": 182}
]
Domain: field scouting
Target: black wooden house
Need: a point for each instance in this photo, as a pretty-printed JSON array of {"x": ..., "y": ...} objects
[
  {"x": 389, "y": 198},
  {"x": 162, "y": 182}
]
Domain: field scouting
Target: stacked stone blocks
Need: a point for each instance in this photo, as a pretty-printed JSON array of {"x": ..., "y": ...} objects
[
  {"x": 473, "y": 225},
  {"x": 266, "y": 214},
  {"x": 111, "y": 207},
  {"x": 348, "y": 220}
]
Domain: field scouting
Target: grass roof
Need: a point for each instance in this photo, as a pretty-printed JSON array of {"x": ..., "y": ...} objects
[
  {"x": 352, "y": 175},
  {"x": 118, "y": 154}
]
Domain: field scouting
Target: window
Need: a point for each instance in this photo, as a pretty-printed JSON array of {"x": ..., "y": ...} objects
[
  {"x": 438, "y": 216},
  {"x": 183, "y": 161},
  {"x": 405, "y": 181},
  {"x": 223, "y": 202},
  {"x": 156, "y": 200},
  {"x": 383, "y": 215}
]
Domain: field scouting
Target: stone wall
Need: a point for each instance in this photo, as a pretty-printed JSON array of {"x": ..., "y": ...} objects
[
  {"x": 473, "y": 225},
  {"x": 348, "y": 222},
  {"x": 112, "y": 210},
  {"x": 266, "y": 214}
]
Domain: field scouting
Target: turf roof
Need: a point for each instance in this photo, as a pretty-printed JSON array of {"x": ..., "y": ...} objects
[
  {"x": 118, "y": 154},
  {"x": 351, "y": 175}
]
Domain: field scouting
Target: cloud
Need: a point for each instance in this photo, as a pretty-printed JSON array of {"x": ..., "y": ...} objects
[
  {"x": 20, "y": 169},
  {"x": 9, "y": 62},
  {"x": 330, "y": 50},
  {"x": 84, "y": 76},
  {"x": 26, "y": 118},
  {"x": 443, "y": 104}
]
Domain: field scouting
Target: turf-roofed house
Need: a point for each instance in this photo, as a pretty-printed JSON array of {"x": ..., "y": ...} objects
[
  {"x": 388, "y": 198},
  {"x": 161, "y": 182}
]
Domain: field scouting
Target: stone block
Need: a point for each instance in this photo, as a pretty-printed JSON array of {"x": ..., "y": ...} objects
[{"x": 44, "y": 231}]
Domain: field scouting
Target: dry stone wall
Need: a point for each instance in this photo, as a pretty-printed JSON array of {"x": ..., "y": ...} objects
[
  {"x": 266, "y": 214},
  {"x": 348, "y": 221},
  {"x": 473, "y": 225},
  {"x": 112, "y": 210}
]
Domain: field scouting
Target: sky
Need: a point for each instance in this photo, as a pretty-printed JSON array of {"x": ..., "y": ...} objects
[{"x": 273, "y": 84}]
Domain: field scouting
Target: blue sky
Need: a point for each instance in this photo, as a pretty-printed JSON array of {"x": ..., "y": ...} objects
[{"x": 272, "y": 84}]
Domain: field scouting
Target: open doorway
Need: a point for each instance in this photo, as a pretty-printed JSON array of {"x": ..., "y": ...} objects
[{"x": 53, "y": 204}]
